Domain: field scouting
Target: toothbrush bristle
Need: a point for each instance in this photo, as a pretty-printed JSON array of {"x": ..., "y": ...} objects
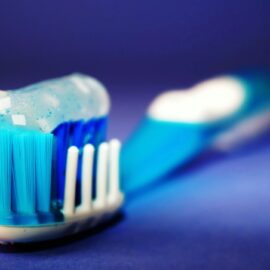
[
  {"x": 5, "y": 172},
  {"x": 108, "y": 190},
  {"x": 24, "y": 181},
  {"x": 87, "y": 176},
  {"x": 25, "y": 171},
  {"x": 102, "y": 174},
  {"x": 70, "y": 185},
  {"x": 44, "y": 152},
  {"x": 61, "y": 133},
  {"x": 78, "y": 133}
]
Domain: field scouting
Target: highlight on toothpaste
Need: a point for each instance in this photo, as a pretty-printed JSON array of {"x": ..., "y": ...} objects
[
  {"x": 55, "y": 163},
  {"x": 225, "y": 112}
]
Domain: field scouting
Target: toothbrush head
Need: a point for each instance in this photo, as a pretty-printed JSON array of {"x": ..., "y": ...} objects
[
  {"x": 91, "y": 212},
  {"x": 58, "y": 174}
]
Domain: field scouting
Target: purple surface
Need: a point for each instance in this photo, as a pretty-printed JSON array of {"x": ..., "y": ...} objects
[{"x": 212, "y": 215}]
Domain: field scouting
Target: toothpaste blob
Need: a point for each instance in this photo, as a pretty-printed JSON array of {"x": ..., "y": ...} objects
[{"x": 44, "y": 106}]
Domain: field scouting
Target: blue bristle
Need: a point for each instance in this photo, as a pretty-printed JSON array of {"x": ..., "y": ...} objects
[
  {"x": 77, "y": 139},
  {"x": 44, "y": 152},
  {"x": 25, "y": 171},
  {"x": 100, "y": 131},
  {"x": 77, "y": 132},
  {"x": 24, "y": 182},
  {"x": 89, "y": 131},
  {"x": 61, "y": 133},
  {"x": 5, "y": 171}
]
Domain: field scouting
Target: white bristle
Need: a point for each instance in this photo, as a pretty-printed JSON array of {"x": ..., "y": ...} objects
[
  {"x": 107, "y": 178},
  {"x": 102, "y": 174},
  {"x": 114, "y": 188},
  {"x": 70, "y": 184},
  {"x": 87, "y": 177}
]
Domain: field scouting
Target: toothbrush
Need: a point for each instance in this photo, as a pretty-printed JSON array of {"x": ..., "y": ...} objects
[
  {"x": 58, "y": 174},
  {"x": 224, "y": 111},
  {"x": 60, "y": 177}
]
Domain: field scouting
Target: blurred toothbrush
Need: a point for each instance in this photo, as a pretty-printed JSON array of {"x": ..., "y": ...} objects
[{"x": 180, "y": 124}]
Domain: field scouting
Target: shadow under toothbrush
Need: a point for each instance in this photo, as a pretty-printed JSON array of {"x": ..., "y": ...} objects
[
  {"x": 67, "y": 240},
  {"x": 206, "y": 158}
]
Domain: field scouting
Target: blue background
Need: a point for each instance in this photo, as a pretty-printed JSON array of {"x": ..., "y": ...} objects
[
  {"x": 212, "y": 215},
  {"x": 137, "y": 48}
]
